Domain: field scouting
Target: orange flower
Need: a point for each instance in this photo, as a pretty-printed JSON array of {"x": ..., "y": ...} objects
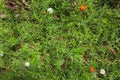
[
  {"x": 92, "y": 69},
  {"x": 44, "y": 12},
  {"x": 83, "y": 7}
]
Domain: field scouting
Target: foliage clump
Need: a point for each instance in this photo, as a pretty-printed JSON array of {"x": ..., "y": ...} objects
[
  {"x": 110, "y": 3},
  {"x": 17, "y": 8}
]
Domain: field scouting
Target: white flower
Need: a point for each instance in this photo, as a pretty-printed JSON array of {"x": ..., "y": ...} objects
[
  {"x": 102, "y": 71},
  {"x": 27, "y": 64},
  {"x": 1, "y": 54},
  {"x": 50, "y": 10}
]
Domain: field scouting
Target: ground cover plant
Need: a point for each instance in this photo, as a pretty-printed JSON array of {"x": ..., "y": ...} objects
[{"x": 59, "y": 40}]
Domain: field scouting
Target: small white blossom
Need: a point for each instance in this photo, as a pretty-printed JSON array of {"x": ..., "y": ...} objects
[
  {"x": 27, "y": 64},
  {"x": 1, "y": 54},
  {"x": 50, "y": 10},
  {"x": 102, "y": 71}
]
